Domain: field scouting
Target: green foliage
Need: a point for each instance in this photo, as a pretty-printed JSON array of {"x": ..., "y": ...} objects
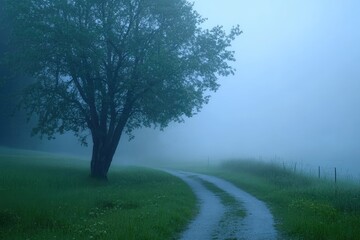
[
  {"x": 304, "y": 207},
  {"x": 115, "y": 64},
  {"x": 49, "y": 197}
]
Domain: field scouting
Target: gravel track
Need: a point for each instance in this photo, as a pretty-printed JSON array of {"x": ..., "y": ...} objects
[{"x": 258, "y": 224}]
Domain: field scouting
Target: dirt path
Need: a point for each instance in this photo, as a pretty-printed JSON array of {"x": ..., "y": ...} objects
[{"x": 258, "y": 224}]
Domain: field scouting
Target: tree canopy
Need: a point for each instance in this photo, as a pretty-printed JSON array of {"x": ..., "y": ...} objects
[{"x": 108, "y": 66}]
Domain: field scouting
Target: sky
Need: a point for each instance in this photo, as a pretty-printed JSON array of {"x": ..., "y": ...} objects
[{"x": 295, "y": 95}]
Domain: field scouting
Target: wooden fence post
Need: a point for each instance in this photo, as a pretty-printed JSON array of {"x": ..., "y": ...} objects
[{"x": 335, "y": 175}]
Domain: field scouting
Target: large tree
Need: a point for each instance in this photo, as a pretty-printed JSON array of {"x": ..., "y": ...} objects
[{"x": 105, "y": 67}]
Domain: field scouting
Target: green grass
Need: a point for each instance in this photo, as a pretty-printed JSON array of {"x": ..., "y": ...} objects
[
  {"x": 234, "y": 213},
  {"x": 234, "y": 208},
  {"x": 304, "y": 207},
  {"x": 50, "y": 197}
]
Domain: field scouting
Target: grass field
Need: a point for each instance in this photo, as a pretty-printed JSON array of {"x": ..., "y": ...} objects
[
  {"x": 304, "y": 207},
  {"x": 50, "y": 197}
]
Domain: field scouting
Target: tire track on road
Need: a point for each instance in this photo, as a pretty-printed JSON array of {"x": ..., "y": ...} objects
[{"x": 258, "y": 224}]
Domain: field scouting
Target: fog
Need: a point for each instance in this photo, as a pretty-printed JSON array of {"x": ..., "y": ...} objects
[{"x": 295, "y": 94}]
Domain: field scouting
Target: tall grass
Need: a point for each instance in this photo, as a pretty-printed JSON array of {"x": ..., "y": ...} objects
[
  {"x": 304, "y": 207},
  {"x": 47, "y": 197}
]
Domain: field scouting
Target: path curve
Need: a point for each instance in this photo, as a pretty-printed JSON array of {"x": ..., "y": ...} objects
[
  {"x": 210, "y": 213},
  {"x": 258, "y": 223}
]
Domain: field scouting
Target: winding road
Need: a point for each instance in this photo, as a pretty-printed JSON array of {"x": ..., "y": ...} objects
[{"x": 210, "y": 223}]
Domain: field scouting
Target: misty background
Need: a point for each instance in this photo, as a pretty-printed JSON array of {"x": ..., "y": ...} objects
[{"x": 294, "y": 98}]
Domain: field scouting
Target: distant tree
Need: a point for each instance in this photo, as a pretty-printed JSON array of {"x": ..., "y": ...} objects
[
  {"x": 105, "y": 67},
  {"x": 13, "y": 129}
]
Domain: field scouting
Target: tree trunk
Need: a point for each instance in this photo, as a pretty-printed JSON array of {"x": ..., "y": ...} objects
[
  {"x": 102, "y": 156},
  {"x": 105, "y": 143}
]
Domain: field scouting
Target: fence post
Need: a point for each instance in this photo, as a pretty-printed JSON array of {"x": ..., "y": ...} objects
[
  {"x": 319, "y": 171},
  {"x": 335, "y": 175}
]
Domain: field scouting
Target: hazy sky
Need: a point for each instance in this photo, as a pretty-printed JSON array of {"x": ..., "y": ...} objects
[{"x": 296, "y": 92}]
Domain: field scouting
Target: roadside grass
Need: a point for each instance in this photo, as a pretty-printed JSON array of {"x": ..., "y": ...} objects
[
  {"x": 50, "y": 197},
  {"x": 304, "y": 207}
]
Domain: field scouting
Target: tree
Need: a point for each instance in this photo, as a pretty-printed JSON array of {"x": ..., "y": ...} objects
[{"x": 105, "y": 67}]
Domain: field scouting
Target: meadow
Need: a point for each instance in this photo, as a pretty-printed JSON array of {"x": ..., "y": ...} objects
[
  {"x": 51, "y": 197},
  {"x": 304, "y": 207},
  {"x": 45, "y": 196}
]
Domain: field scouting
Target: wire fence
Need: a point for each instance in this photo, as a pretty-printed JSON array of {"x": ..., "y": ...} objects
[{"x": 330, "y": 173}]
